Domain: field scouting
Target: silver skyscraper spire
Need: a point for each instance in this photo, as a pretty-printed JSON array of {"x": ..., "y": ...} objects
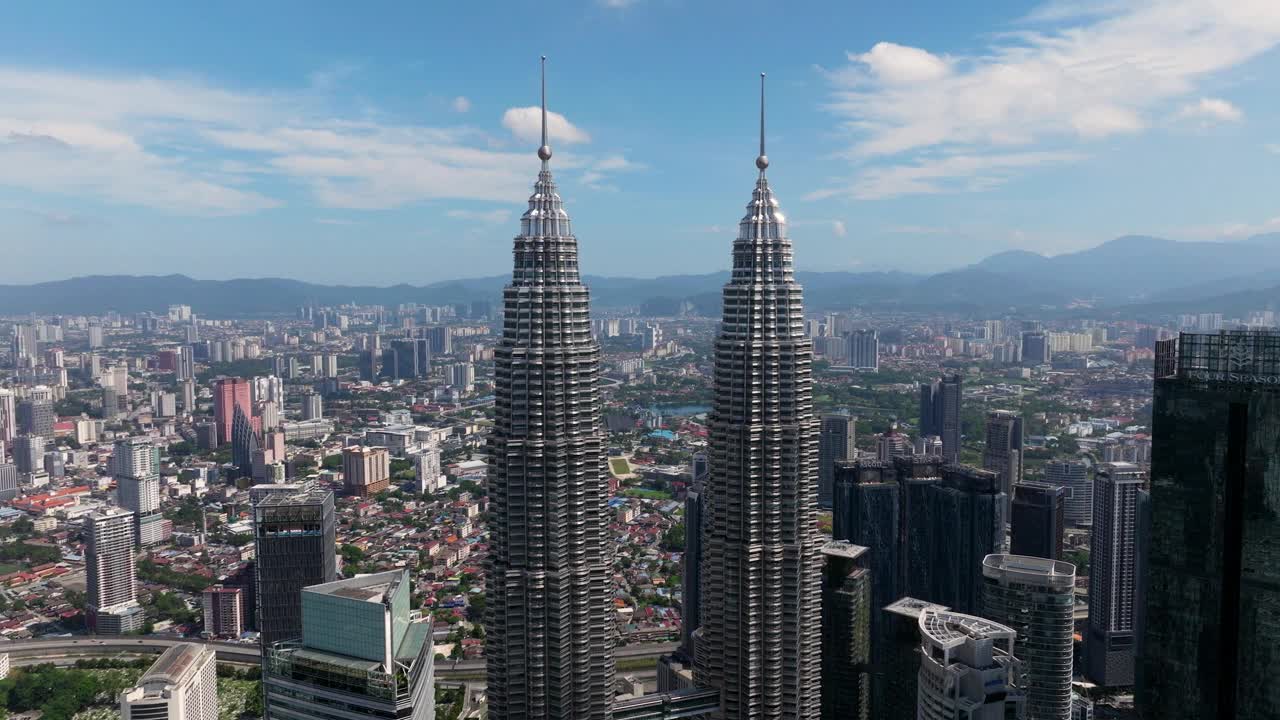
[
  {"x": 760, "y": 643},
  {"x": 549, "y": 618}
]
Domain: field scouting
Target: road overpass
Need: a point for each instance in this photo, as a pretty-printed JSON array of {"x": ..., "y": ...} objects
[{"x": 31, "y": 652}]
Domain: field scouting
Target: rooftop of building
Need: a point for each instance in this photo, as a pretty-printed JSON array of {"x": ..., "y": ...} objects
[
  {"x": 950, "y": 629},
  {"x": 843, "y": 549},
  {"x": 374, "y": 588},
  {"x": 912, "y": 607},
  {"x": 1055, "y": 573},
  {"x": 312, "y": 496},
  {"x": 175, "y": 664}
]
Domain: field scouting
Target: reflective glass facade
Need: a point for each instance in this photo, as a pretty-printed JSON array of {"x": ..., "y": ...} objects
[{"x": 1211, "y": 641}]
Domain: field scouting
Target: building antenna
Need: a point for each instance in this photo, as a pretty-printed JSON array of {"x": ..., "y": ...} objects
[
  {"x": 762, "y": 160},
  {"x": 544, "y": 151}
]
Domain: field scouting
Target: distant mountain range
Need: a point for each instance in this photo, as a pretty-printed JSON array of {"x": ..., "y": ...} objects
[{"x": 1133, "y": 272}]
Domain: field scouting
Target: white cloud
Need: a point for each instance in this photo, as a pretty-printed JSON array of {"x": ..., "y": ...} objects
[
  {"x": 902, "y": 65},
  {"x": 617, "y": 4},
  {"x": 486, "y": 217},
  {"x": 1273, "y": 148},
  {"x": 526, "y": 124},
  {"x": 1212, "y": 110},
  {"x": 838, "y": 228},
  {"x": 335, "y": 221},
  {"x": 461, "y": 104},
  {"x": 947, "y": 174},
  {"x": 1094, "y": 70},
  {"x": 179, "y": 144}
]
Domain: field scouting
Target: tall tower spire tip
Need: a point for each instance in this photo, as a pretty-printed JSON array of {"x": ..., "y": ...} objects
[
  {"x": 762, "y": 160},
  {"x": 544, "y": 150}
]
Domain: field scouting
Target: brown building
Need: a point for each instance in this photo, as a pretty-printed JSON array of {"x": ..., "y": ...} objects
[
  {"x": 366, "y": 470},
  {"x": 224, "y": 612}
]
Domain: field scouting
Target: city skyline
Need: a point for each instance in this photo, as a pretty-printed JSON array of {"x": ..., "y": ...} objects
[{"x": 115, "y": 143}]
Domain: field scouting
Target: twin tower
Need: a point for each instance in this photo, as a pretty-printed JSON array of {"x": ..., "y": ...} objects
[{"x": 549, "y": 616}]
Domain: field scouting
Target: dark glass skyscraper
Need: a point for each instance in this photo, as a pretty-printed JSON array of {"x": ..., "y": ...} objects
[
  {"x": 760, "y": 643},
  {"x": 549, "y": 618},
  {"x": 1036, "y": 520},
  {"x": 962, "y": 522},
  {"x": 294, "y": 546},
  {"x": 835, "y": 444},
  {"x": 1212, "y": 620},
  {"x": 940, "y": 413}
]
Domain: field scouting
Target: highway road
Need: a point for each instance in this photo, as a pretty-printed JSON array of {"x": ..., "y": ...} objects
[{"x": 68, "y": 649}]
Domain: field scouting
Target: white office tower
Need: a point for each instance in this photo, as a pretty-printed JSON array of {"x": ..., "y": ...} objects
[
  {"x": 330, "y": 366},
  {"x": 268, "y": 388},
  {"x": 111, "y": 606},
  {"x": 1036, "y": 597},
  {"x": 8, "y": 416},
  {"x": 181, "y": 685},
  {"x": 188, "y": 396},
  {"x": 1073, "y": 475},
  {"x": 760, "y": 640},
  {"x": 134, "y": 465},
  {"x": 426, "y": 465},
  {"x": 968, "y": 669}
]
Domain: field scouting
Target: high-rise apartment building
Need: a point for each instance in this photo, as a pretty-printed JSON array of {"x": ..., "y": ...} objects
[
  {"x": 1003, "y": 452},
  {"x": 186, "y": 366},
  {"x": 8, "y": 416},
  {"x": 1074, "y": 476},
  {"x": 1209, "y": 631},
  {"x": 294, "y": 546},
  {"x": 968, "y": 669},
  {"x": 940, "y": 413},
  {"x": 549, "y": 620},
  {"x": 1036, "y": 519},
  {"x": 28, "y": 453},
  {"x": 95, "y": 336},
  {"x": 427, "y": 473},
  {"x": 1113, "y": 583},
  {"x": 229, "y": 394},
  {"x": 1036, "y": 597},
  {"x": 1036, "y": 348},
  {"x": 835, "y": 444},
  {"x": 759, "y": 643},
  {"x": 312, "y": 406},
  {"x": 224, "y": 611},
  {"x": 846, "y": 632},
  {"x": 462, "y": 377},
  {"x": 366, "y": 471},
  {"x": 864, "y": 349},
  {"x": 951, "y": 525},
  {"x": 182, "y": 684},
  {"x": 359, "y": 655},
  {"x": 111, "y": 606},
  {"x": 36, "y": 417},
  {"x": 135, "y": 466}
]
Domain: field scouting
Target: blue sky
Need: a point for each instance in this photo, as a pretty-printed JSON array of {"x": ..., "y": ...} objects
[{"x": 378, "y": 143}]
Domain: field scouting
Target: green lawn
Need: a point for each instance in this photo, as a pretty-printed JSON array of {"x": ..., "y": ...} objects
[
  {"x": 647, "y": 494},
  {"x": 619, "y": 467},
  {"x": 6, "y": 568}
]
